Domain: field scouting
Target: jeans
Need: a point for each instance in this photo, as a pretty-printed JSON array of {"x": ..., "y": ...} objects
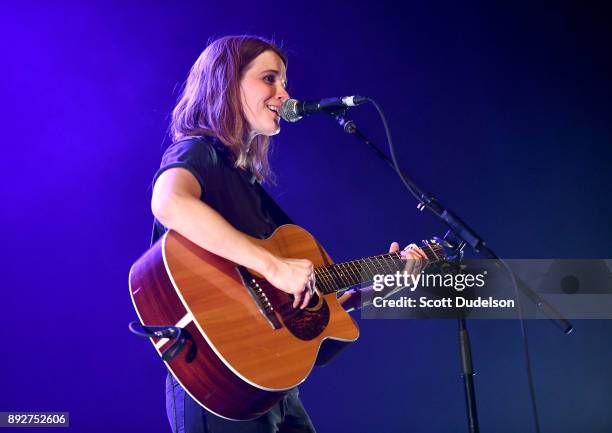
[{"x": 187, "y": 416}]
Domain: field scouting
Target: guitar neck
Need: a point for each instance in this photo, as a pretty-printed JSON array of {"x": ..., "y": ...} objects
[{"x": 341, "y": 276}]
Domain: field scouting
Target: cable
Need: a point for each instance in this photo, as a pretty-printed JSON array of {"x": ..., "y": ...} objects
[
  {"x": 534, "y": 406},
  {"x": 402, "y": 176}
]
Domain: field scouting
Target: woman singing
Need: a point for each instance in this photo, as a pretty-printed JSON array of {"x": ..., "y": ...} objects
[{"x": 209, "y": 190}]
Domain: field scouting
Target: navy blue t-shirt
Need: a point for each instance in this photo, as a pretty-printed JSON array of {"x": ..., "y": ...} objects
[{"x": 233, "y": 192}]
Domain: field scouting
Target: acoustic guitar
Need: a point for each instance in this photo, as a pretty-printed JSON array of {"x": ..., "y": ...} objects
[{"x": 246, "y": 346}]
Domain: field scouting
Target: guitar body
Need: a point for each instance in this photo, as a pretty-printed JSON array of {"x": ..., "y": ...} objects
[{"x": 247, "y": 346}]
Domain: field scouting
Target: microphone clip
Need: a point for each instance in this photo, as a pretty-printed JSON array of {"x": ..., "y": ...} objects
[{"x": 348, "y": 125}]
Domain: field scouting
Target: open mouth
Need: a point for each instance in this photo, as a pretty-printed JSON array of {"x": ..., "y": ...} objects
[{"x": 274, "y": 109}]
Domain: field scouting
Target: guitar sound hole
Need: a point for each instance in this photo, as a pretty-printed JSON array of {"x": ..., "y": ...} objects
[
  {"x": 313, "y": 301},
  {"x": 311, "y": 304},
  {"x": 305, "y": 324}
]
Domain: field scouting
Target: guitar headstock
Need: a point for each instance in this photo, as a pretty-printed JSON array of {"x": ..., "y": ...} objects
[{"x": 438, "y": 250}]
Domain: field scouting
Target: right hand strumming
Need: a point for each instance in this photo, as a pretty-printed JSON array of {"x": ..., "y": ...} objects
[{"x": 292, "y": 276}]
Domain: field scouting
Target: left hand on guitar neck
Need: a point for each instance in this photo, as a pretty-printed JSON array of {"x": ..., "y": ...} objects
[{"x": 415, "y": 262}]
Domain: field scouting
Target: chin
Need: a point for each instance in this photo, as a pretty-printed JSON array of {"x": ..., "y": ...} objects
[
  {"x": 269, "y": 130},
  {"x": 273, "y": 130}
]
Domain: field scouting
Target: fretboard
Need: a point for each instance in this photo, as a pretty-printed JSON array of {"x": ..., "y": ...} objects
[{"x": 340, "y": 276}]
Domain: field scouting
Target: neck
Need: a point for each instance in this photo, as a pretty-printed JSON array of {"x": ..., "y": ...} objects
[
  {"x": 341, "y": 276},
  {"x": 250, "y": 139}
]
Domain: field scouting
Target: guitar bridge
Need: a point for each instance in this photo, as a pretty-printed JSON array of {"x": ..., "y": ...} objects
[{"x": 259, "y": 297}]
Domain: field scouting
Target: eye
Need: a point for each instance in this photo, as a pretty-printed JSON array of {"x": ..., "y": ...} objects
[{"x": 270, "y": 78}]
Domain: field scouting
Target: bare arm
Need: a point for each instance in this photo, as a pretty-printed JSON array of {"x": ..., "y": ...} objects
[{"x": 176, "y": 204}]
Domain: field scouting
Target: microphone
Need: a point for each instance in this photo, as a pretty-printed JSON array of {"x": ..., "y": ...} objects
[{"x": 293, "y": 110}]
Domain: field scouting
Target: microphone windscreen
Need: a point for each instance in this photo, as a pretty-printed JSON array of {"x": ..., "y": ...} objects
[{"x": 289, "y": 112}]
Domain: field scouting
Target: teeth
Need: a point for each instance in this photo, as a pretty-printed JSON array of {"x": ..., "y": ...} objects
[{"x": 273, "y": 108}]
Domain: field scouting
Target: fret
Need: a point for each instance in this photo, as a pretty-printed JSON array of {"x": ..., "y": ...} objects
[
  {"x": 363, "y": 270},
  {"x": 345, "y": 277},
  {"x": 338, "y": 276},
  {"x": 381, "y": 265},
  {"x": 386, "y": 260},
  {"x": 321, "y": 282},
  {"x": 438, "y": 255},
  {"x": 398, "y": 262},
  {"x": 350, "y": 277},
  {"x": 328, "y": 278},
  {"x": 371, "y": 267},
  {"x": 323, "y": 276},
  {"x": 355, "y": 270},
  {"x": 429, "y": 252},
  {"x": 332, "y": 278},
  {"x": 377, "y": 266},
  {"x": 392, "y": 263}
]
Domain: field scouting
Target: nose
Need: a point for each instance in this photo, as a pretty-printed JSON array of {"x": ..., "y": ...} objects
[{"x": 281, "y": 93}]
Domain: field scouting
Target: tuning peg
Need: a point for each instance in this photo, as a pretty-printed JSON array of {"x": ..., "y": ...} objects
[{"x": 444, "y": 242}]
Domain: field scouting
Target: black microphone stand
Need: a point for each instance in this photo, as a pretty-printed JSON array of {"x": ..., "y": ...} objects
[{"x": 458, "y": 235}]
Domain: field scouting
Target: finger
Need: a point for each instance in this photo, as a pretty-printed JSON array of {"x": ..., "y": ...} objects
[
  {"x": 306, "y": 301},
  {"x": 407, "y": 249},
  {"x": 415, "y": 253},
  {"x": 410, "y": 265},
  {"x": 421, "y": 253},
  {"x": 414, "y": 261},
  {"x": 409, "y": 254},
  {"x": 419, "y": 263},
  {"x": 394, "y": 247},
  {"x": 297, "y": 299}
]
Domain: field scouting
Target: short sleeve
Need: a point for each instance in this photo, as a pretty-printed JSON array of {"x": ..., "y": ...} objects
[{"x": 194, "y": 154}]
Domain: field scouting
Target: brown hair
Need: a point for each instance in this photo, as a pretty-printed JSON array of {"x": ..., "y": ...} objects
[{"x": 210, "y": 101}]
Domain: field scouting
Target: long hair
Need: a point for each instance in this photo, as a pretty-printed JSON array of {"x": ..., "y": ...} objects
[{"x": 210, "y": 101}]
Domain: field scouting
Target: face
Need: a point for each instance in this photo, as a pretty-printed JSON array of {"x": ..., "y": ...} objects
[{"x": 262, "y": 92}]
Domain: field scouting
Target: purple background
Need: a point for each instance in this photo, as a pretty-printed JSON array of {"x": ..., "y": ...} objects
[{"x": 502, "y": 112}]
